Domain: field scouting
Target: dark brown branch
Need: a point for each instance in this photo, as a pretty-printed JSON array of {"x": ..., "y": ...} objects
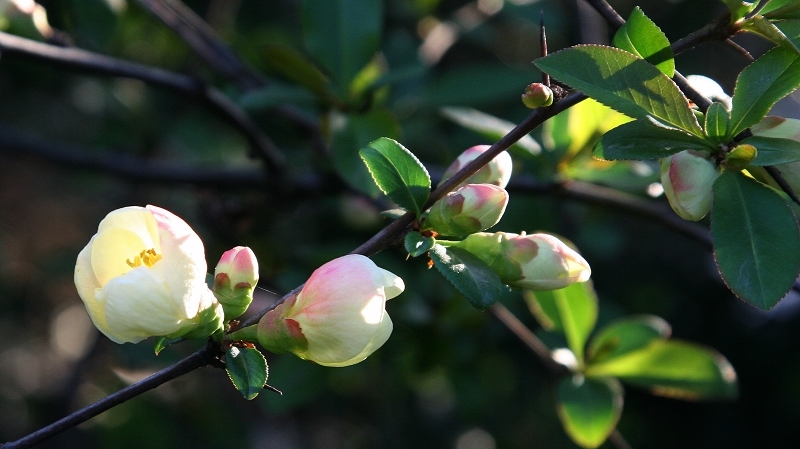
[
  {"x": 204, "y": 41},
  {"x": 105, "y": 65},
  {"x": 199, "y": 359},
  {"x": 784, "y": 185}
]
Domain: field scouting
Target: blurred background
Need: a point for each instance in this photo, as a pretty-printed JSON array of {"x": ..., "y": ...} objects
[{"x": 75, "y": 145}]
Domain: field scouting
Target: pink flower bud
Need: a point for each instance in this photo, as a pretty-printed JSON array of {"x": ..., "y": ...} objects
[
  {"x": 470, "y": 209},
  {"x": 688, "y": 178},
  {"x": 497, "y": 171},
  {"x": 235, "y": 278},
  {"x": 531, "y": 261},
  {"x": 537, "y": 95},
  {"x": 143, "y": 275},
  {"x": 339, "y": 317}
]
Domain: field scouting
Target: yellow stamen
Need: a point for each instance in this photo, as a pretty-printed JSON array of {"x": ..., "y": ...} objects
[{"x": 147, "y": 257}]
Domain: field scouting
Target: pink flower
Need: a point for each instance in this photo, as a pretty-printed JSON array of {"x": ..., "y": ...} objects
[
  {"x": 497, "y": 171},
  {"x": 143, "y": 275},
  {"x": 531, "y": 261},
  {"x": 235, "y": 278},
  {"x": 339, "y": 317},
  {"x": 472, "y": 208}
]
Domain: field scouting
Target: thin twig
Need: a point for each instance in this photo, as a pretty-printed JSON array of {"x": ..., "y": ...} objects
[
  {"x": 204, "y": 41},
  {"x": 199, "y": 359},
  {"x": 76, "y": 58},
  {"x": 529, "y": 338}
]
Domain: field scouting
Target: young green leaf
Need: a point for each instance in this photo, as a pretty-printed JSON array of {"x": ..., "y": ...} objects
[
  {"x": 791, "y": 28},
  {"x": 624, "y": 82},
  {"x": 672, "y": 368},
  {"x": 774, "y": 151},
  {"x": 761, "y": 84},
  {"x": 417, "y": 244},
  {"x": 626, "y": 335},
  {"x": 739, "y": 8},
  {"x": 247, "y": 369},
  {"x": 756, "y": 239},
  {"x": 642, "y": 140},
  {"x": 764, "y": 27},
  {"x": 642, "y": 37},
  {"x": 468, "y": 274},
  {"x": 398, "y": 173},
  {"x": 781, "y": 10},
  {"x": 589, "y": 409},
  {"x": 489, "y": 126},
  {"x": 343, "y": 35},
  {"x": 717, "y": 122},
  {"x": 571, "y": 310}
]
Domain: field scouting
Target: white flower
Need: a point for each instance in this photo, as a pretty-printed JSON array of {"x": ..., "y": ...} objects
[{"x": 143, "y": 275}]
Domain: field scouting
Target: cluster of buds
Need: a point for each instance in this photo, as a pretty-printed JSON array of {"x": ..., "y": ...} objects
[{"x": 688, "y": 178}]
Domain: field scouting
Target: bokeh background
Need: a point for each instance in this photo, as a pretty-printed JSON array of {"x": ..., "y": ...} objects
[{"x": 74, "y": 146}]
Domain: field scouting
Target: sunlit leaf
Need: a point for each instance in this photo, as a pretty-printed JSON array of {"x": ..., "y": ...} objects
[
  {"x": 472, "y": 277},
  {"x": 623, "y": 82},
  {"x": 672, "y": 368},
  {"x": 626, "y": 335},
  {"x": 247, "y": 369},
  {"x": 398, "y": 173},
  {"x": 642, "y": 37},
  {"x": 589, "y": 409},
  {"x": 641, "y": 140}
]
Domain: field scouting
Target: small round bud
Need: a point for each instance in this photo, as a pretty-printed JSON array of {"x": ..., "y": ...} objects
[
  {"x": 688, "y": 179},
  {"x": 537, "y": 95}
]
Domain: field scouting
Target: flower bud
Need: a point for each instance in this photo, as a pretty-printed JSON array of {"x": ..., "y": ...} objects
[
  {"x": 531, "y": 261},
  {"x": 143, "y": 275},
  {"x": 740, "y": 156},
  {"x": 497, "y": 171},
  {"x": 470, "y": 209},
  {"x": 710, "y": 89},
  {"x": 235, "y": 278},
  {"x": 537, "y": 95},
  {"x": 688, "y": 178},
  {"x": 782, "y": 128},
  {"x": 338, "y": 318}
]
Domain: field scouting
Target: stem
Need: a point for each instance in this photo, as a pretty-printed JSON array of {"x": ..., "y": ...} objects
[
  {"x": 529, "y": 338},
  {"x": 199, "y": 359},
  {"x": 105, "y": 65}
]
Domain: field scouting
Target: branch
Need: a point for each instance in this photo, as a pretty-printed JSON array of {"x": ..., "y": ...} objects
[
  {"x": 199, "y": 359},
  {"x": 204, "y": 41},
  {"x": 529, "y": 338},
  {"x": 105, "y": 65}
]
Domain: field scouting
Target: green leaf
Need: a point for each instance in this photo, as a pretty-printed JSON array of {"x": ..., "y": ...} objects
[
  {"x": 472, "y": 277},
  {"x": 781, "y": 10},
  {"x": 764, "y": 27},
  {"x": 571, "y": 310},
  {"x": 739, "y": 8},
  {"x": 350, "y": 133},
  {"x": 756, "y": 239},
  {"x": 342, "y": 35},
  {"x": 672, "y": 368},
  {"x": 773, "y": 150},
  {"x": 247, "y": 369},
  {"x": 643, "y": 140},
  {"x": 589, "y": 409},
  {"x": 163, "y": 342},
  {"x": 761, "y": 84},
  {"x": 791, "y": 28},
  {"x": 398, "y": 173},
  {"x": 489, "y": 126},
  {"x": 417, "y": 244},
  {"x": 642, "y": 37},
  {"x": 717, "y": 122},
  {"x": 296, "y": 67},
  {"x": 626, "y": 335},
  {"x": 624, "y": 82}
]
